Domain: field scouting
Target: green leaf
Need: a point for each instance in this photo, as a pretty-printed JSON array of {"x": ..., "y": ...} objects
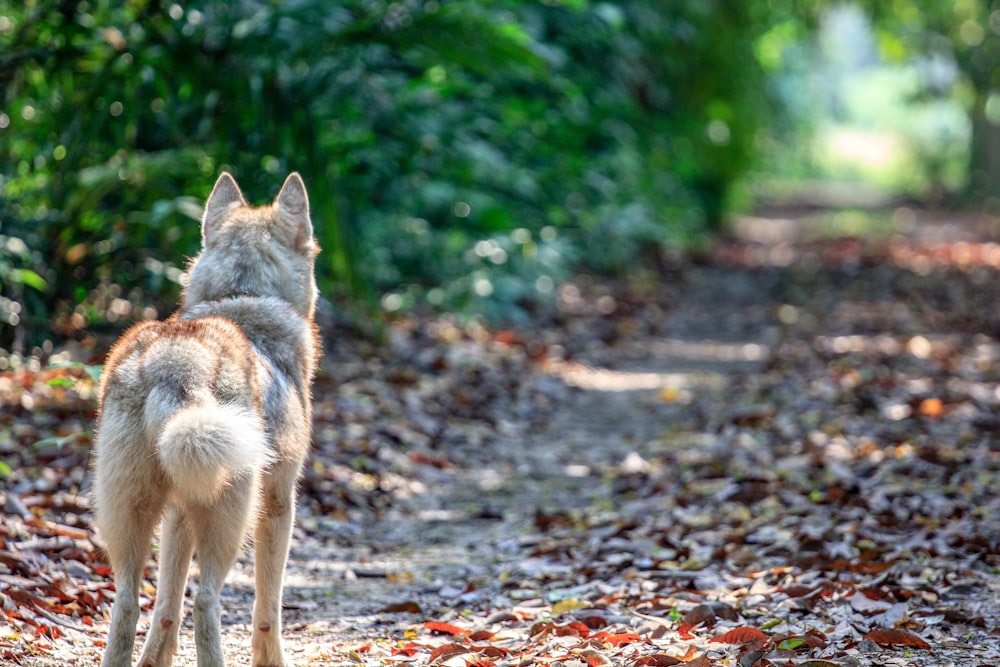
[
  {"x": 93, "y": 370},
  {"x": 29, "y": 278},
  {"x": 58, "y": 441},
  {"x": 792, "y": 643},
  {"x": 5, "y": 470}
]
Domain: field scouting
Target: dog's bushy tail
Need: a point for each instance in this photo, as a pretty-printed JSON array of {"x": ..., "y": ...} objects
[
  {"x": 202, "y": 443},
  {"x": 201, "y": 447}
]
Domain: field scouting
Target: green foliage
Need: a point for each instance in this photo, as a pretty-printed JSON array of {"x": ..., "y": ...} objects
[
  {"x": 422, "y": 128},
  {"x": 966, "y": 33}
]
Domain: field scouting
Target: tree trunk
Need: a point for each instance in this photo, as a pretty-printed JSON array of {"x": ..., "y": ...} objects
[{"x": 984, "y": 155}]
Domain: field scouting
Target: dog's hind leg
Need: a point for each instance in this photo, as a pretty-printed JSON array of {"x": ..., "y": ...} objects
[
  {"x": 219, "y": 533},
  {"x": 128, "y": 534},
  {"x": 128, "y": 502},
  {"x": 176, "y": 547}
]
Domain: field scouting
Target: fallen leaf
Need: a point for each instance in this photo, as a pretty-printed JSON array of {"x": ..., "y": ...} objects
[
  {"x": 741, "y": 635},
  {"x": 594, "y": 658},
  {"x": 700, "y": 614},
  {"x": 657, "y": 660},
  {"x": 567, "y": 606},
  {"x": 446, "y": 651},
  {"x": 617, "y": 639},
  {"x": 445, "y": 628},
  {"x": 894, "y": 637},
  {"x": 792, "y": 643},
  {"x": 701, "y": 661},
  {"x": 407, "y": 607},
  {"x": 409, "y": 649}
]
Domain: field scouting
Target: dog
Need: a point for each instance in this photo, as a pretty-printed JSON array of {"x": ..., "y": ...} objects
[{"x": 204, "y": 422}]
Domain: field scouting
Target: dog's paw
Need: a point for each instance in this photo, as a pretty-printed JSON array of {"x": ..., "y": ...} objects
[{"x": 272, "y": 658}]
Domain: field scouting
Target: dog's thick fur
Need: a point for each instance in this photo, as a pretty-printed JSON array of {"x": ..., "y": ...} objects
[{"x": 205, "y": 420}]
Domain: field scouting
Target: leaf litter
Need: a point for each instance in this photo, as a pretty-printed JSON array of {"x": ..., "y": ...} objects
[{"x": 784, "y": 453}]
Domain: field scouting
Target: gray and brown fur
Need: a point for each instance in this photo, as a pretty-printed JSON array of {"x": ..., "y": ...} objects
[{"x": 205, "y": 420}]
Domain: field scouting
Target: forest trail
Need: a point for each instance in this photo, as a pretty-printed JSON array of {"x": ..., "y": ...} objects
[
  {"x": 700, "y": 381},
  {"x": 785, "y": 452}
]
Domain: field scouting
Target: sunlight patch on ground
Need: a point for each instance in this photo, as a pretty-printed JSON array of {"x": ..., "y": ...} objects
[
  {"x": 709, "y": 350},
  {"x": 604, "y": 379},
  {"x": 673, "y": 384}
]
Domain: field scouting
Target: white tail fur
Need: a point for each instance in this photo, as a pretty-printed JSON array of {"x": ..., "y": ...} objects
[{"x": 203, "y": 446}]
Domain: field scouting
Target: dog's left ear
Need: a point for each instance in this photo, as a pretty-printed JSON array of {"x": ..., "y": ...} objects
[{"x": 292, "y": 205}]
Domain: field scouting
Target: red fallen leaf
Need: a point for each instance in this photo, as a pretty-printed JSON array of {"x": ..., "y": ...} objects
[
  {"x": 409, "y": 650},
  {"x": 507, "y": 337},
  {"x": 894, "y": 637},
  {"x": 684, "y": 630},
  {"x": 573, "y": 629},
  {"x": 481, "y": 636},
  {"x": 447, "y": 651},
  {"x": 593, "y": 622},
  {"x": 741, "y": 635},
  {"x": 617, "y": 639},
  {"x": 445, "y": 628},
  {"x": 657, "y": 660},
  {"x": 480, "y": 663},
  {"x": 50, "y": 631},
  {"x": 493, "y": 651}
]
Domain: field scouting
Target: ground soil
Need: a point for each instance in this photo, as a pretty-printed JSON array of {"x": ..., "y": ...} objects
[{"x": 678, "y": 374}]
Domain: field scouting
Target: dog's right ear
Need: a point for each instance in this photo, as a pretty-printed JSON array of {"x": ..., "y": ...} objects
[{"x": 225, "y": 196}]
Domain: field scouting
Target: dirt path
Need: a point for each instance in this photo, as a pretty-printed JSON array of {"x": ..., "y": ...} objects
[{"x": 796, "y": 439}]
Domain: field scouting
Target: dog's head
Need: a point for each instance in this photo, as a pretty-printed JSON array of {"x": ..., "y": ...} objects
[{"x": 266, "y": 251}]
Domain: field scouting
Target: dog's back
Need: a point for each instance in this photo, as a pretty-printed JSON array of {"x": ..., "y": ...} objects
[{"x": 182, "y": 414}]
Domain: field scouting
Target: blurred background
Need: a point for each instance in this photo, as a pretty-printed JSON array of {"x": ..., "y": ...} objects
[{"x": 466, "y": 156}]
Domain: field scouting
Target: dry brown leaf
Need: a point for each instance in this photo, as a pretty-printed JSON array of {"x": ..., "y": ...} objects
[
  {"x": 741, "y": 635},
  {"x": 894, "y": 637}
]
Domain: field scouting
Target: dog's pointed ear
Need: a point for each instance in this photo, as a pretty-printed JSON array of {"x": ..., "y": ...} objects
[
  {"x": 292, "y": 206},
  {"x": 225, "y": 196}
]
